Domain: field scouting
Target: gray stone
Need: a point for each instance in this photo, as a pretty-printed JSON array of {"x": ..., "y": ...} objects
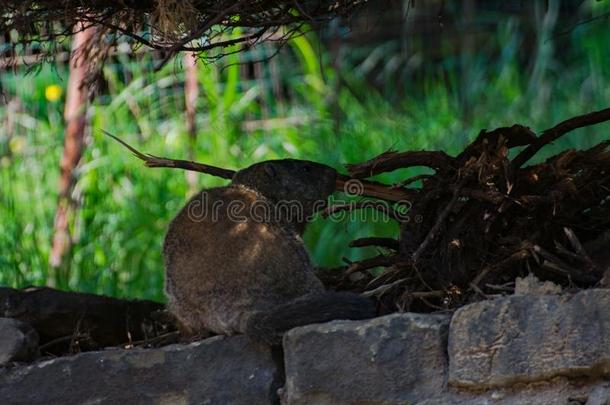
[
  {"x": 395, "y": 359},
  {"x": 218, "y": 370},
  {"x": 530, "y": 338},
  {"x": 18, "y": 341},
  {"x": 559, "y": 391},
  {"x": 600, "y": 395},
  {"x": 530, "y": 285}
]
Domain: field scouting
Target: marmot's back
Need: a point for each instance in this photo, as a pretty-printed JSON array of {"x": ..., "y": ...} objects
[{"x": 228, "y": 256}]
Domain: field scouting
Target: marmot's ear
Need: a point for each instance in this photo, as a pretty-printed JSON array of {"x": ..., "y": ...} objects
[{"x": 269, "y": 169}]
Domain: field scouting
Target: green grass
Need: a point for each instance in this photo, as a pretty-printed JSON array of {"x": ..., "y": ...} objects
[{"x": 125, "y": 208}]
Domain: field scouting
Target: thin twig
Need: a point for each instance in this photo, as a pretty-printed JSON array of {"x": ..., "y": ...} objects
[
  {"x": 377, "y": 261},
  {"x": 61, "y": 339},
  {"x": 379, "y": 291},
  {"x": 439, "y": 222},
  {"x": 198, "y": 33},
  {"x": 389, "y": 243},
  {"x": 578, "y": 24},
  {"x": 164, "y": 338},
  {"x": 412, "y": 180},
  {"x": 521, "y": 254},
  {"x": 352, "y": 206},
  {"x": 156, "y": 161},
  {"x": 377, "y": 190}
]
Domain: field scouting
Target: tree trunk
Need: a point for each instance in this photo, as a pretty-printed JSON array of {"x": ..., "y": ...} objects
[
  {"x": 191, "y": 92},
  {"x": 76, "y": 120}
]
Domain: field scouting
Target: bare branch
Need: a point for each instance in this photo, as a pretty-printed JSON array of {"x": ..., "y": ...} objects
[
  {"x": 156, "y": 161},
  {"x": 552, "y": 134},
  {"x": 392, "y": 160},
  {"x": 377, "y": 190}
]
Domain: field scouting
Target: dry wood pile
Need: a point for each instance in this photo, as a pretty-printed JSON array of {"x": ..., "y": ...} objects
[{"x": 486, "y": 218}]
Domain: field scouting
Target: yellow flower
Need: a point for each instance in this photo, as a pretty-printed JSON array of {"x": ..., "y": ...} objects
[
  {"x": 17, "y": 144},
  {"x": 52, "y": 92}
]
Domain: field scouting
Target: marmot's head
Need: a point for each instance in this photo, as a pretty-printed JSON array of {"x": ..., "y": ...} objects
[{"x": 290, "y": 181}]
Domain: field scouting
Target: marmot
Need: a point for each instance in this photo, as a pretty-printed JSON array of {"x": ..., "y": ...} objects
[{"x": 235, "y": 261}]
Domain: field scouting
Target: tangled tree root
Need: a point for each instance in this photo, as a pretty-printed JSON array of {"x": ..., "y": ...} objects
[{"x": 486, "y": 219}]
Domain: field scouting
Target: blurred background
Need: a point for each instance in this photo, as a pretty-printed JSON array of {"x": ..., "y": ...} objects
[{"x": 397, "y": 75}]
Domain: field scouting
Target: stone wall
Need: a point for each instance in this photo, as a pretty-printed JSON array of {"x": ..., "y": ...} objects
[{"x": 520, "y": 349}]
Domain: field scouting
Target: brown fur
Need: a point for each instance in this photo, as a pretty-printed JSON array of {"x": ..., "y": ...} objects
[{"x": 220, "y": 272}]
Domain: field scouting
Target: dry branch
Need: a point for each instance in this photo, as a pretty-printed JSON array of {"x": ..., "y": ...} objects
[
  {"x": 377, "y": 190},
  {"x": 377, "y": 261},
  {"x": 552, "y": 134},
  {"x": 196, "y": 25},
  {"x": 366, "y": 188},
  {"x": 432, "y": 233},
  {"x": 391, "y": 160},
  {"x": 156, "y": 161},
  {"x": 379, "y": 206}
]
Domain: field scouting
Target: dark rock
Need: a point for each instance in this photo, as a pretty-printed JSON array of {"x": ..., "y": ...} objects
[
  {"x": 100, "y": 321},
  {"x": 530, "y": 338},
  {"x": 218, "y": 370},
  {"x": 395, "y": 359},
  {"x": 18, "y": 341}
]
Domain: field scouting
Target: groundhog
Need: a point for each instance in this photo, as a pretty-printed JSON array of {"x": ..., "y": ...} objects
[{"x": 235, "y": 261}]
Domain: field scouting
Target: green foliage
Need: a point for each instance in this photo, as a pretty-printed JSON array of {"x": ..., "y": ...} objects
[{"x": 124, "y": 208}]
